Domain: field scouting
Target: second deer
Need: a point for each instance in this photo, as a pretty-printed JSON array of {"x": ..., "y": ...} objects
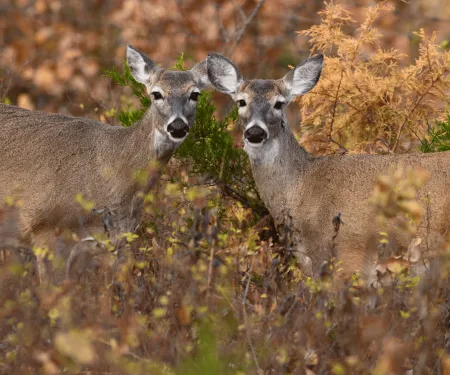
[
  {"x": 47, "y": 159},
  {"x": 318, "y": 191}
]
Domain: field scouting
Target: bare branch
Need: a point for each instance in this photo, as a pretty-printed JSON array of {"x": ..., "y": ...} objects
[
  {"x": 244, "y": 310},
  {"x": 240, "y": 11},
  {"x": 419, "y": 100},
  {"x": 333, "y": 114},
  {"x": 222, "y": 29},
  {"x": 240, "y": 33}
]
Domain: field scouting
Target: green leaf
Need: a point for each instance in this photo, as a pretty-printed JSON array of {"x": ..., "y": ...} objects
[
  {"x": 208, "y": 148},
  {"x": 438, "y": 137}
]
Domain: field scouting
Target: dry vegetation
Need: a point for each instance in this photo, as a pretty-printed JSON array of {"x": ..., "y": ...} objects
[
  {"x": 211, "y": 289},
  {"x": 368, "y": 100},
  {"x": 207, "y": 295}
]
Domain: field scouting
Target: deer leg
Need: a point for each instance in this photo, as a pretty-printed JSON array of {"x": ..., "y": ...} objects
[
  {"x": 82, "y": 255},
  {"x": 304, "y": 260},
  {"x": 45, "y": 245}
]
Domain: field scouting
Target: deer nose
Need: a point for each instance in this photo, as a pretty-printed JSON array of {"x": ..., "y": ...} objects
[
  {"x": 255, "y": 134},
  {"x": 178, "y": 129}
]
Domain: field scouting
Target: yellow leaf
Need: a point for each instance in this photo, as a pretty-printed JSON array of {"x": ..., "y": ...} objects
[
  {"x": 159, "y": 312},
  {"x": 76, "y": 345}
]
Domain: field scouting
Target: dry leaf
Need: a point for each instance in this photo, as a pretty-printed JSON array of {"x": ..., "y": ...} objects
[
  {"x": 396, "y": 265},
  {"x": 311, "y": 358},
  {"x": 24, "y": 101},
  {"x": 76, "y": 345},
  {"x": 184, "y": 315}
]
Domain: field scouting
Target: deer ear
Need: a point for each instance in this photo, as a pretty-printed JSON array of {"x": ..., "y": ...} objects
[
  {"x": 200, "y": 73},
  {"x": 222, "y": 73},
  {"x": 141, "y": 66},
  {"x": 303, "y": 77}
]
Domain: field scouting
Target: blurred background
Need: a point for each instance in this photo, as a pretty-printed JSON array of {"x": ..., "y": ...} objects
[{"x": 52, "y": 52}]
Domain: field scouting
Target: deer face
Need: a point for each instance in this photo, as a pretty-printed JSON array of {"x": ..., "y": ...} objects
[
  {"x": 174, "y": 94},
  {"x": 262, "y": 102}
]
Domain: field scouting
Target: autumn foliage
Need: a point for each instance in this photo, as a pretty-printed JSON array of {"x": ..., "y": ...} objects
[
  {"x": 368, "y": 100},
  {"x": 212, "y": 286}
]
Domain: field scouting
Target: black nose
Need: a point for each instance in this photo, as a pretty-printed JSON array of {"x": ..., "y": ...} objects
[
  {"x": 178, "y": 128},
  {"x": 255, "y": 134}
]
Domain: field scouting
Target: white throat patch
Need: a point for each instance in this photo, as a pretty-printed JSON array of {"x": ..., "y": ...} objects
[
  {"x": 162, "y": 143},
  {"x": 265, "y": 153}
]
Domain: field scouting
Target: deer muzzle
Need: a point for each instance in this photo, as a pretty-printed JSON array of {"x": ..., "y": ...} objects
[
  {"x": 255, "y": 134},
  {"x": 178, "y": 129}
]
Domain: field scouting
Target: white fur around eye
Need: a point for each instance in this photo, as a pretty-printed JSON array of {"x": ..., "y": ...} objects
[
  {"x": 244, "y": 97},
  {"x": 194, "y": 90},
  {"x": 280, "y": 99},
  {"x": 156, "y": 89}
]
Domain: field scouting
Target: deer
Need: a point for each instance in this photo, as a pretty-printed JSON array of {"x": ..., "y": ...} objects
[
  {"x": 47, "y": 159},
  {"x": 322, "y": 194}
]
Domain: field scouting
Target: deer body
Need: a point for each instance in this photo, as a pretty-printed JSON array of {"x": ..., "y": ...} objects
[
  {"x": 314, "y": 191},
  {"x": 47, "y": 159},
  {"x": 54, "y": 168}
]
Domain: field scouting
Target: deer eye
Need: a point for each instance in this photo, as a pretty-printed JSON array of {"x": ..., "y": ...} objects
[
  {"x": 157, "y": 95},
  {"x": 278, "y": 105},
  {"x": 241, "y": 103},
  {"x": 194, "y": 96}
]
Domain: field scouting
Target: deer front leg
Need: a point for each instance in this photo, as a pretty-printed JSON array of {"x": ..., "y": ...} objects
[
  {"x": 44, "y": 241},
  {"x": 304, "y": 261}
]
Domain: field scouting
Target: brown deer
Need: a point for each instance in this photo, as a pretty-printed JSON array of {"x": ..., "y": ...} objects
[
  {"x": 318, "y": 193},
  {"x": 47, "y": 159}
]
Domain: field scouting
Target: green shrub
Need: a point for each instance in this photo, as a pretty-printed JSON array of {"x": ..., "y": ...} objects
[
  {"x": 129, "y": 115},
  {"x": 209, "y": 147},
  {"x": 438, "y": 137}
]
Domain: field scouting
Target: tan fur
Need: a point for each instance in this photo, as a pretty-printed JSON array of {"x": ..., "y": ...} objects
[
  {"x": 46, "y": 159},
  {"x": 315, "y": 190}
]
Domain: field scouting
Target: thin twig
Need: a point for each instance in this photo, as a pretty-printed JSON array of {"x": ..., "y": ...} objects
[
  {"x": 402, "y": 125},
  {"x": 359, "y": 111},
  {"x": 210, "y": 270},
  {"x": 8, "y": 76},
  {"x": 240, "y": 33},
  {"x": 247, "y": 330},
  {"x": 333, "y": 113},
  {"x": 240, "y": 11},
  {"x": 222, "y": 29},
  {"x": 427, "y": 201}
]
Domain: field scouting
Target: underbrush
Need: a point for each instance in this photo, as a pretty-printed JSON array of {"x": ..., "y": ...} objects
[{"x": 210, "y": 294}]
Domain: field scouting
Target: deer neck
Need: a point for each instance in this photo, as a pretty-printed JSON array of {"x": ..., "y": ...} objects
[
  {"x": 142, "y": 147},
  {"x": 276, "y": 165},
  {"x": 145, "y": 143}
]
